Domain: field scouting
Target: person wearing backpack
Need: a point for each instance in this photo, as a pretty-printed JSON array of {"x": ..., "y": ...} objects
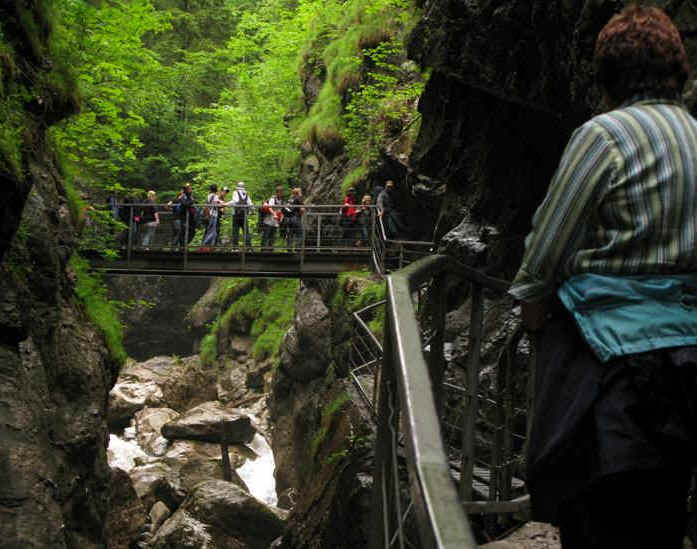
[
  {"x": 292, "y": 215},
  {"x": 222, "y": 195},
  {"x": 210, "y": 213},
  {"x": 183, "y": 209},
  {"x": 241, "y": 210},
  {"x": 272, "y": 218}
]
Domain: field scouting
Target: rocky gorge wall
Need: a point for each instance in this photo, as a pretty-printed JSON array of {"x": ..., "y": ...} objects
[
  {"x": 55, "y": 372},
  {"x": 156, "y": 324}
]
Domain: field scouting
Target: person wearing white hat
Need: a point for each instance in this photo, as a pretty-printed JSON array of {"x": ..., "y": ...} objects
[{"x": 240, "y": 214}]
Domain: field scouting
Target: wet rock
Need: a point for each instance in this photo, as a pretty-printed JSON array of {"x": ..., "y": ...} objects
[
  {"x": 149, "y": 422},
  {"x": 205, "y": 421},
  {"x": 231, "y": 383},
  {"x": 183, "y": 531},
  {"x": 306, "y": 347},
  {"x": 127, "y": 397},
  {"x": 219, "y": 514},
  {"x": 239, "y": 347},
  {"x": 533, "y": 535},
  {"x": 162, "y": 381},
  {"x": 195, "y": 462},
  {"x": 126, "y": 516},
  {"x": 468, "y": 242},
  {"x": 172, "y": 476},
  {"x": 158, "y": 481},
  {"x": 159, "y": 513},
  {"x": 256, "y": 378}
]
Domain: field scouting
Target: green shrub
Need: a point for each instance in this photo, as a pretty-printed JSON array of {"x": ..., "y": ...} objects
[
  {"x": 357, "y": 290},
  {"x": 266, "y": 307},
  {"x": 209, "y": 349},
  {"x": 329, "y": 412},
  {"x": 100, "y": 309},
  {"x": 354, "y": 177}
]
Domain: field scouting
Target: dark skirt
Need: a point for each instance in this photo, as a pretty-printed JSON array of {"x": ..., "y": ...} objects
[{"x": 594, "y": 421}]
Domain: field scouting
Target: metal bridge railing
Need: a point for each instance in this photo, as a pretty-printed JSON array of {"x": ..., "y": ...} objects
[
  {"x": 390, "y": 254},
  {"x": 444, "y": 445},
  {"x": 314, "y": 229},
  {"x": 366, "y": 356}
]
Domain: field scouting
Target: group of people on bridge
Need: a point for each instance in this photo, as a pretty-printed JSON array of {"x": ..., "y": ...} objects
[{"x": 277, "y": 215}]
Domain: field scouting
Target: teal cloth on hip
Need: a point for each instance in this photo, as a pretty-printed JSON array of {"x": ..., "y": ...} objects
[{"x": 622, "y": 315}]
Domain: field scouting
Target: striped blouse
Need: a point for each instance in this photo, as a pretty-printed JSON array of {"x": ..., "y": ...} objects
[{"x": 623, "y": 201}]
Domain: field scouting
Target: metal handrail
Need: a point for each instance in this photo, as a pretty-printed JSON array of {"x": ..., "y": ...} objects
[
  {"x": 381, "y": 244},
  {"x": 322, "y": 229},
  {"x": 405, "y": 377},
  {"x": 410, "y": 387},
  {"x": 369, "y": 353}
]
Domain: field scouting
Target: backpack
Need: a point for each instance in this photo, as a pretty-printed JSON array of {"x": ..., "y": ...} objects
[
  {"x": 241, "y": 201},
  {"x": 205, "y": 212}
]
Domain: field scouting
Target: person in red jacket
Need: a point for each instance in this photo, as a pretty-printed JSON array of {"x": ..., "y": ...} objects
[{"x": 348, "y": 218}]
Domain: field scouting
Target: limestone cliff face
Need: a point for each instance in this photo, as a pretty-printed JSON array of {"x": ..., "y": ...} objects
[
  {"x": 26, "y": 68},
  {"x": 320, "y": 439},
  {"x": 510, "y": 81},
  {"x": 54, "y": 372},
  {"x": 55, "y": 376}
]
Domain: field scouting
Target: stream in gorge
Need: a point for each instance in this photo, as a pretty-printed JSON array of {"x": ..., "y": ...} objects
[
  {"x": 257, "y": 473},
  {"x": 166, "y": 416}
]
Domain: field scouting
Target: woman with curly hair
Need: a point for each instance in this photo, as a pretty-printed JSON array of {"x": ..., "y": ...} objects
[{"x": 609, "y": 281}]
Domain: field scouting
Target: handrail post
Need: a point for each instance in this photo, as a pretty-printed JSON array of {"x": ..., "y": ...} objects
[
  {"x": 302, "y": 241},
  {"x": 185, "y": 240},
  {"x": 532, "y": 373},
  {"x": 243, "y": 244},
  {"x": 471, "y": 400},
  {"x": 372, "y": 233},
  {"x": 319, "y": 231},
  {"x": 130, "y": 237},
  {"x": 437, "y": 358},
  {"x": 383, "y": 520},
  {"x": 507, "y": 471}
]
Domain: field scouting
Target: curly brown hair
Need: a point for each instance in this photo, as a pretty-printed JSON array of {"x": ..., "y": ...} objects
[{"x": 639, "y": 51}]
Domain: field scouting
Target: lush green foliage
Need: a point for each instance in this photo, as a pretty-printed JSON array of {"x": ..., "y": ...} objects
[
  {"x": 350, "y": 52},
  {"x": 329, "y": 413},
  {"x": 359, "y": 289},
  {"x": 101, "y": 311},
  {"x": 119, "y": 81},
  {"x": 264, "y": 308},
  {"x": 224, "y": 90}
]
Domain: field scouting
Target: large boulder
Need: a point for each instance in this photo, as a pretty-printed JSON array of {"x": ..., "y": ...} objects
[
  {"x": 158, "y": 481},
  {"x": 127, "y": 516},
  {"x": 159, "y": 513},
  {"x": 206, "y": 422},
  {"x": 149, "y": 422},
  {"x": 220, "y": 515},
  {"x": 170, "y": 477},
  {"x": 162, "y": 381},
  {"x": 306, "y": 347}
]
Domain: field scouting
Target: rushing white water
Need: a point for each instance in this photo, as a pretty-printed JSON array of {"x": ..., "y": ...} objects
[
  {"x": 257, "y": 473},
  {"x": 122, "y": 453}
]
